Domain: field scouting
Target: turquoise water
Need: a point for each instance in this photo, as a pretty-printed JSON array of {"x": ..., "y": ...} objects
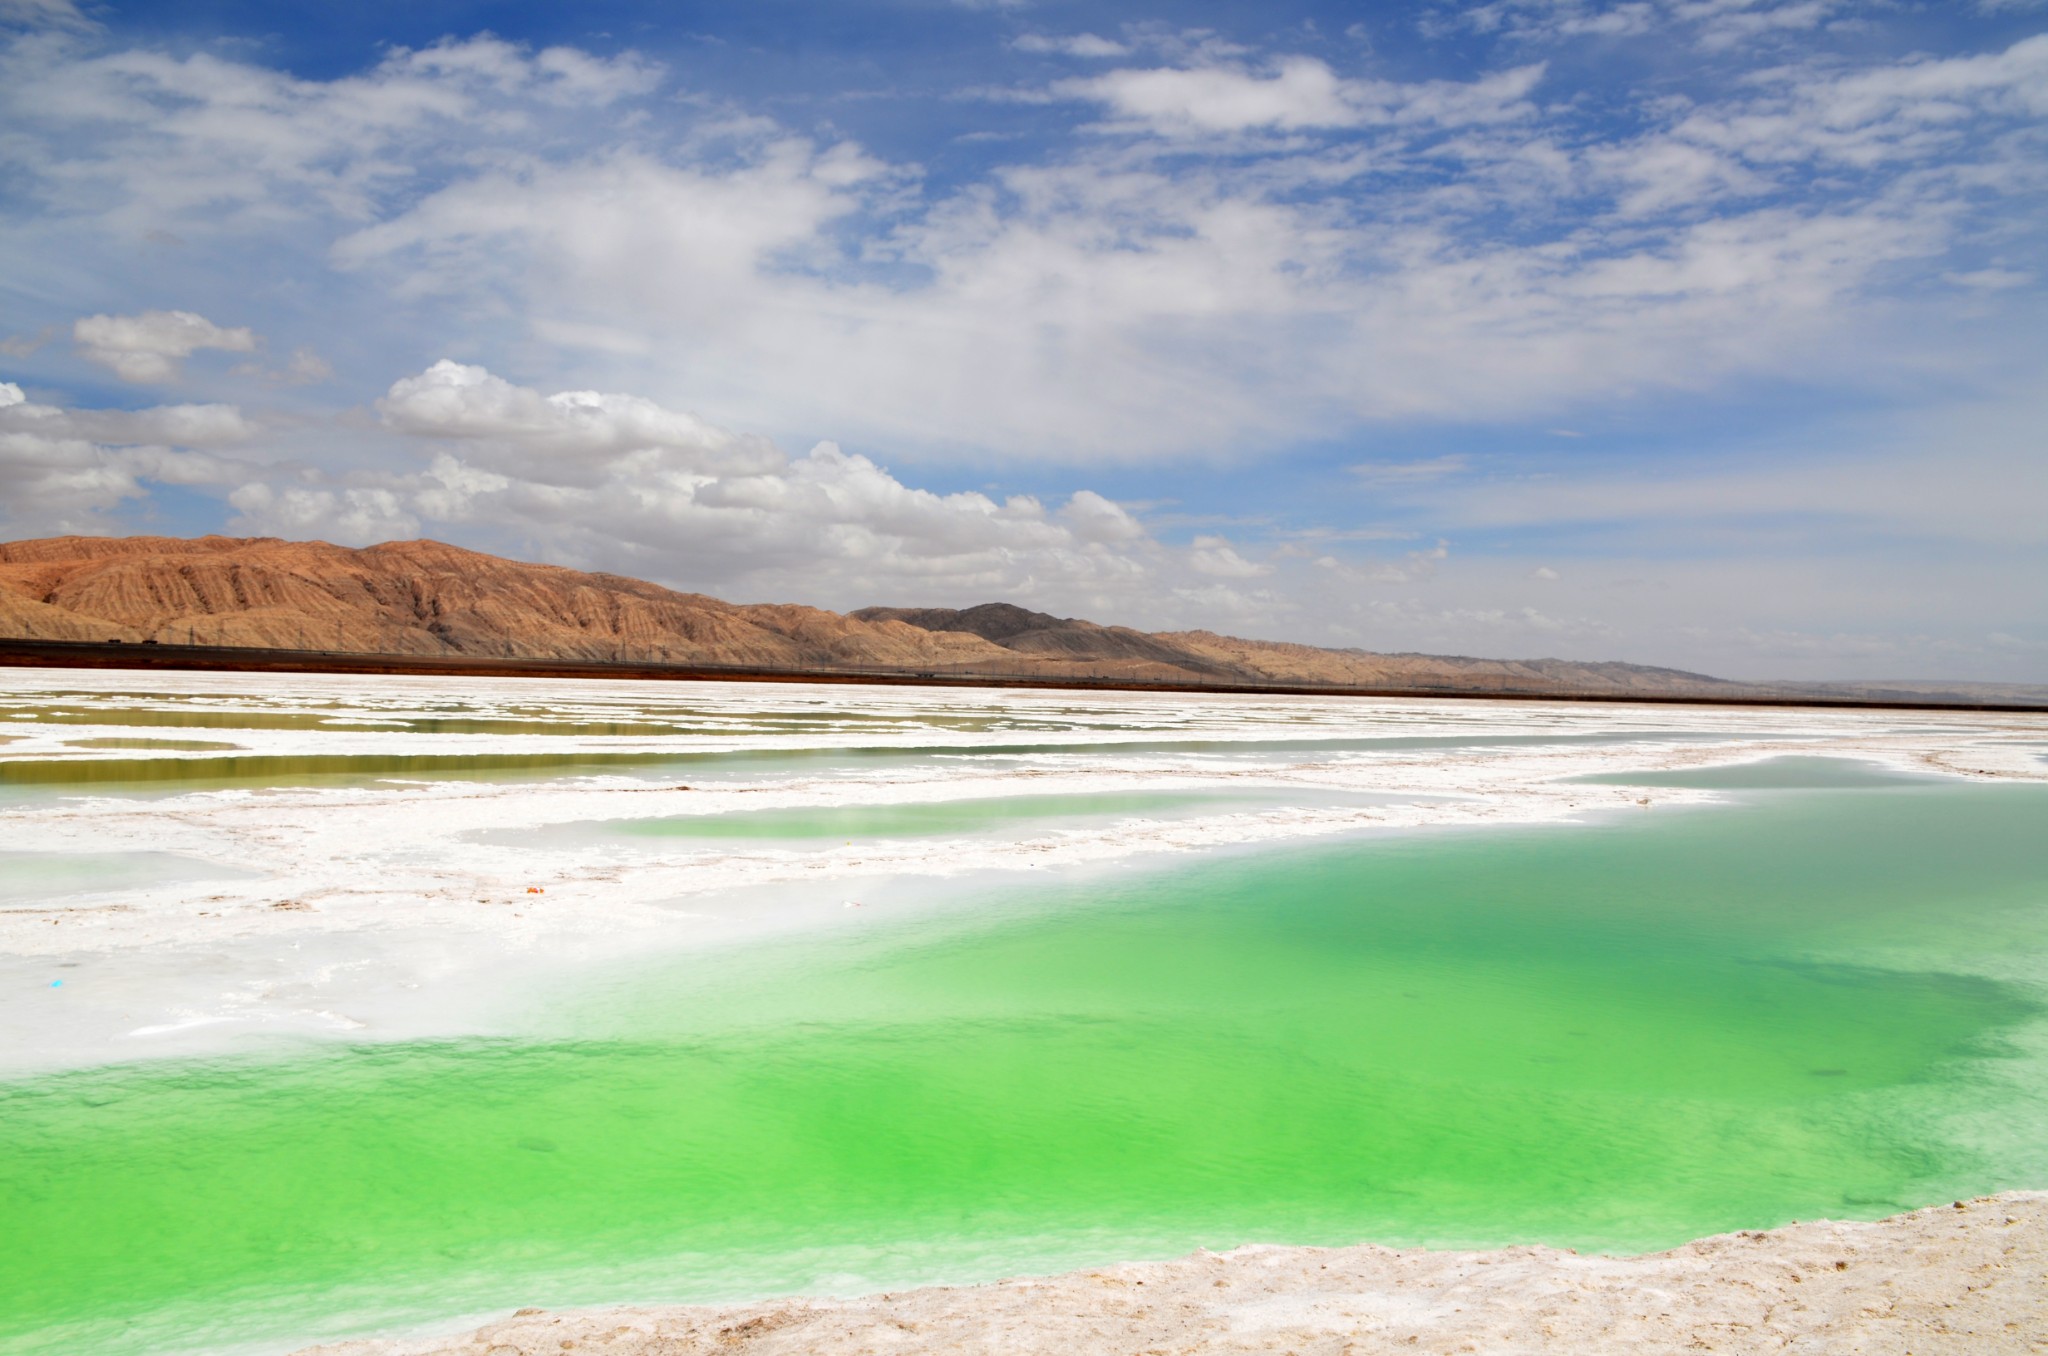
[
  {"x": 829, "y": 825},
  {"x": 1768, "y": 774},
  {"x": 1617, "y": 1035}
]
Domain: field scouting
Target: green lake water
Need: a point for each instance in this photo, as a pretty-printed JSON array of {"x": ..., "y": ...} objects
[
  {"x": 827, "y": 826},
  {"x": 1768, "y": 774},
  {"x": 24, "y": 778},
  {"x": 1616, "y": 1035}
]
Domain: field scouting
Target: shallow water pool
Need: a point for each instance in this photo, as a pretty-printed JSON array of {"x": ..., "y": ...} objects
[{"x": 1617, "y": 1035}]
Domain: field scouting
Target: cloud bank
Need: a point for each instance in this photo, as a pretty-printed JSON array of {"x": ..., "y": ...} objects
[{"x": 1725, "y": 313}]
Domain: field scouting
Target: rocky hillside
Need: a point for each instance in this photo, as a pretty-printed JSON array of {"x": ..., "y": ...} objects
[
  {"x": 1227, "y": 658},
  {"x": 427, "y": 598},
  {"x": 418, "y": 597}
]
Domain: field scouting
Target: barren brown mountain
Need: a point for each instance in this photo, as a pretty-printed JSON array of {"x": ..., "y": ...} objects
[{"x": 430, "y": 599}]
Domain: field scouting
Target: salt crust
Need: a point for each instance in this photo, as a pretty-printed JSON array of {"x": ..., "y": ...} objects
[
  {"x": 1969, "y": 1278},
  {"x": 397, "y": 867},
  {"x": 396, "y": 910}
]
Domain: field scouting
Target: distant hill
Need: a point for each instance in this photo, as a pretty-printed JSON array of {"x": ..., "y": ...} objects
[
  {"x": 427, "y": 598},
  {"x": 1206, "y": 655}
]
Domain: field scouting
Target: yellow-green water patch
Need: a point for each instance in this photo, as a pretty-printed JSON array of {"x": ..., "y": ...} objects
[{"x": 167, "y": 745}]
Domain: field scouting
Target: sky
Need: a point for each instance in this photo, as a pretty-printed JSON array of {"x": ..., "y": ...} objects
[{"x": 1706, "y": 333}]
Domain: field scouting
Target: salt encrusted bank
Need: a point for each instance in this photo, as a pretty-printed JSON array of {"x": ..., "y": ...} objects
[{"x": 1963, "y": 1279}]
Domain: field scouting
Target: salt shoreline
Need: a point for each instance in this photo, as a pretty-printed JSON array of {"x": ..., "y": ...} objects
[
  {"x": 400, "y": 909},
  {"x": 1968, "y": 1277},
  {"x": 383, "y": 910}
]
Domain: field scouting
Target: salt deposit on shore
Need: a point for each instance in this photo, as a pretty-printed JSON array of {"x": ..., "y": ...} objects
[
  {"x": 1969, "y": 1278},
  {"x": 383, "y": 900},
  {"x": 370, "y": 908}
]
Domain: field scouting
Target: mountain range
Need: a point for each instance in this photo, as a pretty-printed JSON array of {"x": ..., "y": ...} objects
[{"x": 427, "y": 598}]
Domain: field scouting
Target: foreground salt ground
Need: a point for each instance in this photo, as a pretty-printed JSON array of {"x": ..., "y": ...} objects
[
  {"x": 386, "y": 906},
  {"x": 1971, "y": 1277}
]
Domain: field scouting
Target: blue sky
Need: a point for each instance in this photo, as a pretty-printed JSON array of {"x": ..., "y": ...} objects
[{"x": 1699, "y": 332}]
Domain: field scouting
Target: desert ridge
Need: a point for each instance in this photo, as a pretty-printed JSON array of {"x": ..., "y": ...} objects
[{"x": 428, "y": 598}]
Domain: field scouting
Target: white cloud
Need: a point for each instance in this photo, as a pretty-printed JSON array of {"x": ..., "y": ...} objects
[
  {"x": 1074, "y": 45},
  {"x": 1296, "y": 93},
  {"x": 1979, "y": 480},
  {"x": 619, "y": 482},
  {"x": 1359, "y": 249},
  {"x": 1989, "y": 279},
  {"x": 1245, "y": 250},
  {"x": 1216, "y": 556},
  {"x": 1410, "y": 472},
  {"x": 64, "y": 470},
  {"x": 1713, "y": 25},
  {"x": 151, "y": 347},
  {"x": 192, "y": 146},
  {"x": 360, "y": 516},
  {"x": 1130, "y": 306},
  {"x": 45, "y": 14},
  {"x": 23, "y": 345},
  {"x": 305, "y": 368},
  {"x": 1092, "y": 518},
  {"x": 565, "y": 437}
]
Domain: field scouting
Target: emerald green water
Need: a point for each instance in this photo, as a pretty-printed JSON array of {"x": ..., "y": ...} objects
[{"x": 1618, "y": 1035}]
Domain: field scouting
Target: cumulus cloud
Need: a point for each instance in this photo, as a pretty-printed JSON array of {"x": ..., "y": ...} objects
[
  {"x": 1213, "y": 555},
  {"x": 1092, "y": 518},
  {"x": 65, "y": 470},
  {"x": 182, "y": 148},
  {"x": 151, "y": 347},
  {"x": 1227, "y": 253},
  {"x": 1129, "y": 301},
  {"x": 620, "y": 482},
  {"x": 1249, "y": 248},
  {"x": 565, "y": 437},
  {"x": 353, "y": 515},
  {"x": 1296, "y": 93}
]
